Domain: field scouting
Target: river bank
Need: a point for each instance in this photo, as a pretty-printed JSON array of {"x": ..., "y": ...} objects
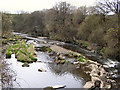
[
  {"x": 92, "y": 65},
  {"x": 97, "y": 72}
]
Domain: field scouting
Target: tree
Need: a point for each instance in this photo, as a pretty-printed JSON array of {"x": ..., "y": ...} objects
[
  {"x": 112, "y": 48},
  {"x": 59, "y": 21},
  {"x": 79, "y": 15},
  {"x": 6, "y": 23},
  {"x": 88, "y": 26},
  {"x": 50, "y": 22},
  {"x": 107, "y": 6}
]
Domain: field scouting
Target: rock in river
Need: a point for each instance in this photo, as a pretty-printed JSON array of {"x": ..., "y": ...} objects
[
  {"x": 54, "y": 87},
  {"x": 42, "y": 70}
]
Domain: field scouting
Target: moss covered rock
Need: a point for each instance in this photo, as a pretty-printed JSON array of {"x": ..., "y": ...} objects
[
  {"x": 25, "y": 65},
  {"x": 23, "y": 52},
  {"x": 8, "y": 54}
]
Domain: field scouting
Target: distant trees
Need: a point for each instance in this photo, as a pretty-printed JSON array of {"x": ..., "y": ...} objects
[
  {"x": 111, "y": 39},
  {"x": 113, "y": 26},
  {"x": 26, "y": 23},
  {"x": 6, "y": 23},
  {"x": 59, "y": 22},
  {"x": 79, "y": 15},
  {"x": 90, "y": 25}
]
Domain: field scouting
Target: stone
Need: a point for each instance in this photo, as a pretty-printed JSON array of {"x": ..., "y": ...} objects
[
  {"x": 59, "y": 86},
  {"x": 25, "y": 65},
  {"x": 61, "y": 56},
  {"x": 94, "y": 73},
  {"x": 42, "y": 70},
  {"x": 54, "y": 87},
  {"x": 102, "y": 72},
  {"x": 97, "y": 83},
  {"x": 88, "y": 84},
  {"x": 48, "y": 88},
  {"x": 87, "y": 72},
  {"x": 77, "y": 67},
  {"x": 75, "y": 63},
  {"x": 95, "y": 79},
  {"x": 105, "y": 66}
]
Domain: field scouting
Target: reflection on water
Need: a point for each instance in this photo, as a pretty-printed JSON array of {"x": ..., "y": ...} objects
[{"x": 29, "y": 77}]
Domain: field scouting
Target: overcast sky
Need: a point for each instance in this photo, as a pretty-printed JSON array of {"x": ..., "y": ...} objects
[{"x": 13, "y": 6}]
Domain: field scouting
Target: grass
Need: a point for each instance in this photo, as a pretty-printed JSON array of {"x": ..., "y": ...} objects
[
  {"x": 21, "y": 52},
  {"x": 83, "y": 44},
  {"x": 8, "y": 54},
  {"x": 78, "y": 57}
]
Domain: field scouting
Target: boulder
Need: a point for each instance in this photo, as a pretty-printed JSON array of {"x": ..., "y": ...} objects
[
  {"x": 25, "y": 65},
  {"x": 59, "y": 86},
  {"x": 75, "y": 63},
  {"x": 95, "y": 79},
  {"x": 88, "y": 84},
  {"x": 96, "y": 85},
  {"x": 94, "y": 73},
  {"x": 48, "y": 88},
  {"x": 42, "y": 70},
  {"x": 54, "y": 87},
  {"x": 105, "y": 66}
]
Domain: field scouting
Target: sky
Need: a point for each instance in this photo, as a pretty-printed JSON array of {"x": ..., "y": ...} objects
[{"x": 14, "y": 6}]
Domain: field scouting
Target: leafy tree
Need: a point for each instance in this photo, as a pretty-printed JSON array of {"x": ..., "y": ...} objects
[
  {"x": 6, "y": 23},
  {"x": 111, "y": 38},
  {"x": 88, "y": 26},
  {"x": 60, "y": 17},
  {"x": 79, "y": 15}
]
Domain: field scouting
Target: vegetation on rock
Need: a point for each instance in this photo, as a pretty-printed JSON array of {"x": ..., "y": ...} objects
[
  {"x": 78, "y": 57},
  {"x": 23, "y": 52}
]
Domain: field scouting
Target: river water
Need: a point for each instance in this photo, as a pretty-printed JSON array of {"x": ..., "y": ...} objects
[
  {"x": 61, "y": 74},
  {"x": 65, "y": 74},
  {"x": 30, "y": 77}
]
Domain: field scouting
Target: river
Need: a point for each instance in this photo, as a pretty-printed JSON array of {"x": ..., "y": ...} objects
[{"x": 65, "y": 74}]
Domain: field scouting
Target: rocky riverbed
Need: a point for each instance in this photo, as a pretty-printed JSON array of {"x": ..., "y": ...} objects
[
  {"x": 94, "y": 74},
  {"x": 97, "y": 71}
]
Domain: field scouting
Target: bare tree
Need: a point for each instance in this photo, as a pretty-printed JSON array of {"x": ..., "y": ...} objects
[{"x": 107, "y": 6}]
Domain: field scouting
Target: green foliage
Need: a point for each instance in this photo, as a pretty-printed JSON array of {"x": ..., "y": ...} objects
[
  {"x": 3, "y": 51},
  {"x": 61, "y": 61},
  {"x": 88, "y": 26},
  {"x": 6, "y": 23},
  {"x": 8, "y": 54},
  {"x": 83, "y": 44},
  {"x": 79, "y": 15},
  {"x": 21, "y": 57},
  {"x": 21, "y": 52},
  {"x": 78, "y": 57},
  {"x": 112, "y": 48}
]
